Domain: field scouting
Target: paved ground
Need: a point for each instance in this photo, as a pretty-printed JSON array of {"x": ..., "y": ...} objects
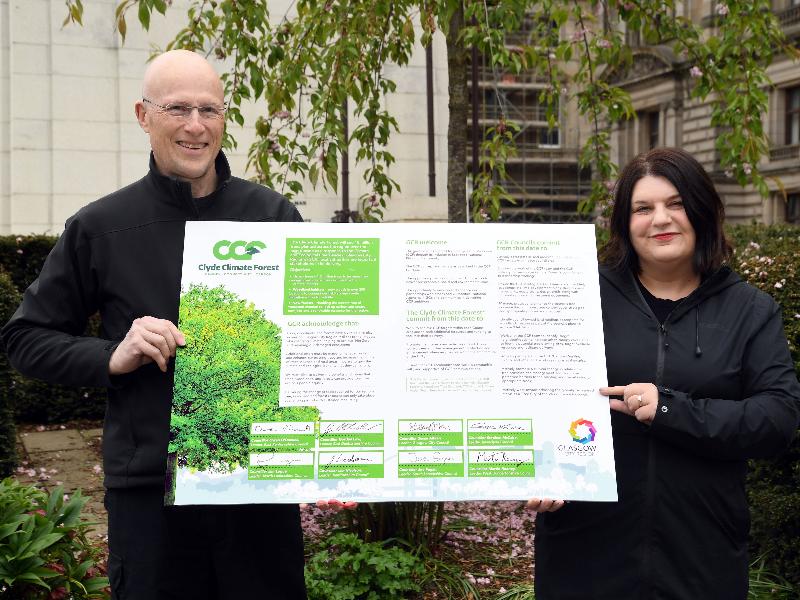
[{"x": 67, "y": 457}]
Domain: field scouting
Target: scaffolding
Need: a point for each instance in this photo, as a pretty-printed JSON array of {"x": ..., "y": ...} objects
[{"x": 544, "y": 179}]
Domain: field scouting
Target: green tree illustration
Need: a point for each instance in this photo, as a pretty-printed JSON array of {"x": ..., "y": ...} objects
[{"x": 226, "y": 378}]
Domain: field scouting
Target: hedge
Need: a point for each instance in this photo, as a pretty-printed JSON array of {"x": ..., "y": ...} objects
[
  {"x": 769, "y": 258},
  {"x": 9, "y": 299},
  {"x": 766, "y": 256},
  {"x": 22, "y": 257}
]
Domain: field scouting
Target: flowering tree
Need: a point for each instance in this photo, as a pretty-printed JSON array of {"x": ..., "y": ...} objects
[{"x": 307, "y": 63}]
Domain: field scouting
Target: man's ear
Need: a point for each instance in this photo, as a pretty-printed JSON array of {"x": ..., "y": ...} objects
[{"x": 141, "y": 113}]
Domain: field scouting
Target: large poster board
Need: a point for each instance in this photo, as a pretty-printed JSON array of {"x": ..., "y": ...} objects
[{"x": 377, "y": 362}]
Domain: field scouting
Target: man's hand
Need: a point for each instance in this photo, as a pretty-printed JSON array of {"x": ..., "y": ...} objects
[{"x": 148, "y": 340}]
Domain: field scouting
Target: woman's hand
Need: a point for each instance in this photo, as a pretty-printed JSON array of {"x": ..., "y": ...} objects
[
  {"x": 543, "y": 505},
  {"x": 335, "y": 505},
  {"x": 639, "y": 400}
]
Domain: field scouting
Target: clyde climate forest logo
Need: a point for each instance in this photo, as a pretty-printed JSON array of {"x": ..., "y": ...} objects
[
  {"x": 583, "y": 431},
  {"x": 237, "y": 250}
]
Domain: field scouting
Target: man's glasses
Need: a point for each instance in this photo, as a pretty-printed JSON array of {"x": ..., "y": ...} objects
[{"x": 184, "y": 111}]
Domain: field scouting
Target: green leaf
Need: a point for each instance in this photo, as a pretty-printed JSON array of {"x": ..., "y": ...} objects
[{"x": 144, "y": 15}]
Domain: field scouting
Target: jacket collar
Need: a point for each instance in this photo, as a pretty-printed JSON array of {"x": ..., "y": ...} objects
[
  {"x": 180, "y": 192},
  {"x": 624, "y": 280}
]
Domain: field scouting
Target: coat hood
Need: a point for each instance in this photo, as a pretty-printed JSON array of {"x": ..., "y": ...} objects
[{"x": 625, "y": 281}]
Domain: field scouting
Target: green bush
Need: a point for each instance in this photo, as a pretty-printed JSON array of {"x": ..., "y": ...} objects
[
  {"x": 769, "y": 258},
  {"x": 33, "y": 401},
  {"x": 22, "y": 256},
  {"x": 9, "y": 299},
  {"x": 44, "y": 551},
  {"x": 347, "y": 568}
]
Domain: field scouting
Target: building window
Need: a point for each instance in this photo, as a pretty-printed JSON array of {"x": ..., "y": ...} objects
[
  {"x": 793, "y": 116},
  {"x": 652, "y": 130},
  {"x": 793, "y": 208}
]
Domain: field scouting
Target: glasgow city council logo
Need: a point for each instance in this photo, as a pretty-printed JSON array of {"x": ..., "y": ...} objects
[
  {"x": 237, "y": 250},
  {"x": 583, "y": 431}
]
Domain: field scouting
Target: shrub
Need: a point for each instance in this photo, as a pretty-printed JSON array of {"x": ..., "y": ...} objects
[
  {"x": 44, "y": 552},
  {"x": 347, "y": 568},
  {"x": 769, "y": 258},
  {"x": 22, "y": 257},
  {"x": 9, "y": 299}
]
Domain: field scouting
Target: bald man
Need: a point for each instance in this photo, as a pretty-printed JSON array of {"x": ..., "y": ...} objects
[{"x": 121, "y": 256}]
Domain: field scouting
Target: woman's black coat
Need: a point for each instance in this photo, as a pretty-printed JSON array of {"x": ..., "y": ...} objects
[{"x": 727, "y": 392}]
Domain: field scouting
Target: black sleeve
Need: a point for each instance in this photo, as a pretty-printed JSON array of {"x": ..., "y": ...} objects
[
  {"x": 44, "y": 338},
  {"x": 761, "y": 424}
]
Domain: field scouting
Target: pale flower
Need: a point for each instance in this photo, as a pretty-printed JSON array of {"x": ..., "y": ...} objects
[
  {"x": 695, "y": 71},
  {"x": 778, "y": 285},
  {"x": 747, "y": 168},
  {"x": 578, "y": 34},
  {"x": 603, "y": 43},
  {"x": 722, "y": 9}
]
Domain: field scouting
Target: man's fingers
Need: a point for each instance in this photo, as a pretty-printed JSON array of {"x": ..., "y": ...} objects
[
  {"x": 166, "y": 329},
  {"x": 156, "y": 347},
  {"x": 148, "y": 340}
]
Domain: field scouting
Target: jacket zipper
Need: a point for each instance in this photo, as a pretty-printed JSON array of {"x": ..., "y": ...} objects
[{"x": 647, "y": 559}]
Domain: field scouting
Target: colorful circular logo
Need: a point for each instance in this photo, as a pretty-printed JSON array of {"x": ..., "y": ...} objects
[{"x": 582, "y": 431}]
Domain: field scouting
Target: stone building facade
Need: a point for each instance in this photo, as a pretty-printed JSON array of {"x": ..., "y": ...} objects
[
  {"x": 68, "y": 133},
  {"x": 545, "y": 179},
  {"x": 659, "y": 84}
]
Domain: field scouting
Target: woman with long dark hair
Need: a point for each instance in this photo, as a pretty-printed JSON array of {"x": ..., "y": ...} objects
[{"x": 700, "y": 379}]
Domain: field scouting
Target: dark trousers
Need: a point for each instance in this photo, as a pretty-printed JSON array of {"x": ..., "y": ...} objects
[{"x": 251, "y": 551}]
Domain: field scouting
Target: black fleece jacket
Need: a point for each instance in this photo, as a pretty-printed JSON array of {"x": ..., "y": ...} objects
[
  {"x": 122, "y": 256},
  {"x": 727, "y": 392}
]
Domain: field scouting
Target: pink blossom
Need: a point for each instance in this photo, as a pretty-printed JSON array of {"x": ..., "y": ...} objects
[
  {"x": 97, "y": 469},
  {"x": 747, "y": 168},
  {"x": 722, "y": 9},
  {"x": 603, "y": 43},
  {"x": 578, "y": 34},
  {"x": 778, "y": 285},
  {"x": 695, "y": 71}
]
